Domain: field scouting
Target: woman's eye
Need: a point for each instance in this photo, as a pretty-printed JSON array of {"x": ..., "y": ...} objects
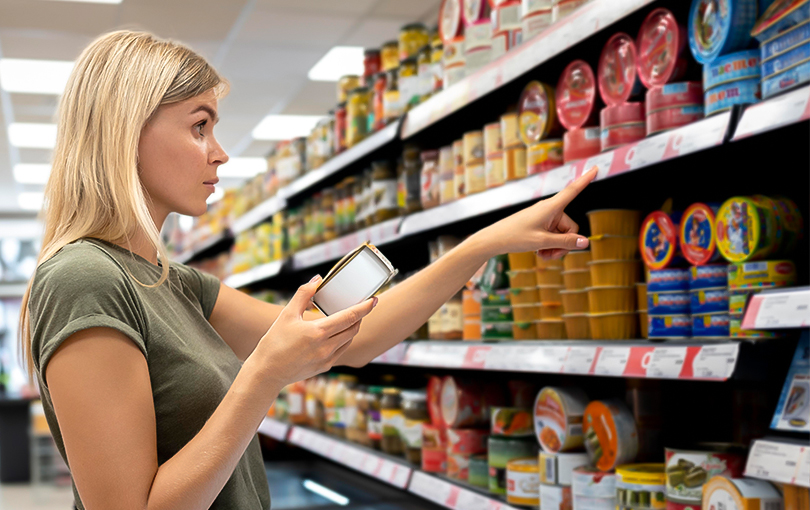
[{"x": 200, "y": 127}]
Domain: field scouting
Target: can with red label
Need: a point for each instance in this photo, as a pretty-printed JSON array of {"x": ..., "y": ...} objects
[
  {"x": 658, "y": 241},
  {"x": 537, "y": 113},
  {"x": 686, "y": 93},
  {"x": 621, "y": 114},
  {"x": 688, "y": 470},
  {"x": 617, "y": 71},
  {"x": 581, "y": 143},
  {"x": 622, "y": 134},
  {"x": 661, "y": 43},
  {"x": 450, "y": 25},
  {"x": 672, "y": 118},
  {"x": 576, "y": 95}
]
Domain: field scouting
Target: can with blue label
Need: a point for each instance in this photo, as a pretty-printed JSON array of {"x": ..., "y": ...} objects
[
  {"x": 708, "y": 276},
  {"x": 665, "y": 303},
  {"x": 739, "y": 65},
  {"x": 670, "y": 326},
  {"x": 779, "y": 18},
  {"x": 664, "y": 280},
  {"x": 786, "y": 80},
  {"x": 785, "y": 60},
  {"x": 717, "y": 27},
  {"x": 709, "y": 301},
  {"x": 786, "y": 40},
  {"x": 713, "y": 325},
  {"x": 723, "y": 97}
]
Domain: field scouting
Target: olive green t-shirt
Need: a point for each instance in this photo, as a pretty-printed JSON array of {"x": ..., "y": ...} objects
[{"x": 191, "y": 367}]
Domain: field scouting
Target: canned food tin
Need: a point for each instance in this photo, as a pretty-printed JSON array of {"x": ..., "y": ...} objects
[
  {"x": 558, "y": 418},
  {"x": 522, "y": 483},
  {"x": 593, "y": 483},
  {"x": 495, "y": 174},
  {"x": 479, "y": 471},
  {"x": 492, "y": 140},
  {"x": 697, "y": 234},
  {"x": 780, "y": 62},
  {"x": 685, "y": 93},
  {"x": 563, "y": 8},
  {"x": 477, "y": 36},
  {"x": 617, "y": 74},
  {"x": 736, "y": 331},
  {"x": 640, "y": 486},
  {"x": 709, "y": 301},
  {"x": 659, "y": 240},
  {"x": 710, "y": 325},
  {"x": 709, "y": 276},
  {"x": 672, "y": 118},
  {"x": 611, "y": 438},
  {"x": 473, "y": 148},
  {"x": 723, "y": 97},
  {"x": 761, "y": 275},
  {"x": 510, "y": 131},
  {"x": 581, "y": 143},
  {"x": 739, "y": 65},
  {"x": 475, "y": 11},
  {"x": 576, "y": 95},
  {"x": 528, "y": 7},
  {"x": 737, "y": 302},
  {"x": 746, "y": 229},
  {"x": 784, "y": 41},
  {"x": 669, "y": 326},
  {"x": 544, "y": 156},
  {"x": 434, "y": 460},
  {"x": 514, "y": 163},
  {"x": 792, "y": 223},
  {"x": 511, "y": 421},
  {"x": 463, "y": 404},
  {"x": 450, "y": 26},
  {"x": 555, "y": 497},
  {"x": 558, "y": 468},
  {"x": 660, "y": 44},
  {"x": 662, "y": 280},
  {"x": 662, "y": 303},
  {"x": 620, "y": 135},
  {"x": 786, "y": 80},
  {"x": 740, "y": 494},
  {"x": 466, "y": 441},
  {"x": 780, "y": 17},
  {"x": 716, "y": 30},
  {"x": 536, "y": 22},
  {"x": 621, "y": 115},
  {"x": 501, "y": 450},
  {"x": 538, "y": 113}
]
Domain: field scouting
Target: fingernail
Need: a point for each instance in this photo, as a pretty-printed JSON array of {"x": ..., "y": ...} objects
[
  {"x": 582, "y": 242},
  {"x": 315, "y": 278},
  {"x": 374, "y": 302}
]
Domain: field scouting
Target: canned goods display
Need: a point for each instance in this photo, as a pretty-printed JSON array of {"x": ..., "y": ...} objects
[
  {"x": 514, "y": 163},
  {"x": 621, "y": 115},
  {"x": 669, "y": 326},
  {"x": 510, "y": 131},
  {"x": 663, "y": 303},
  {"x": 512, "y": 421},
  {"x": 786, "y": 80},
  {"x": 740, "y": 494},
  {"x": 658, "y": 241},
  {"x": 746, "y": 229},
  {"x": 462, "y": 403},
  {"x": 660, "y": 45},
  {"x": 473, "y": 148},
  {"x": 477, "y": 36},
  {"x": 450, "y": 25},
  {"x": 558, "y": 418},
  {"x": 790, "y": 38},
  {"x": 709, "y": 276},
  {"x": 475, "y": 11},
  {"x": 723, "y": 97},
  {"x": 538, "y": 113},
  {"x": 688, "y": 470},
  {"x": 785, "y": 60},
  {"x": 709, "y": 300},
  {"x": 611, "y": 437},
  {"x": 697, "y": 234},
  {"x": 779, "y": 17},
  {"x": 640, "y": 486},
  {"x": 478, "y": 471},
  {"x": 558, "y": 468},
  {"x": 711, "y": 325},
  {"x": 502, "y": 450},
  {"x": 492, "y": 140},
  {"x": 536, "y": 22},
  {"x": 555, "y": 497},
  {"x": 616, "y": 74},
  {"x": 715, "y": 31},
  {"x": 672, "y": 118},
  {"x": 576, "y": 95},
  {"x": 740, "y": 65},
  {"x": 663, "y": 280},
  {"x": 544, "y": 156},
  {"x": 522, "y": 482},
  {"x": 592, "y": 484},
  {"x": 581, "y": 143},
  {"x": 761, "y": 275}
]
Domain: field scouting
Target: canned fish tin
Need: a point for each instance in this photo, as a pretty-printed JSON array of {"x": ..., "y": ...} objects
[
  {"x": 746, "y": 229},
  {"x": 581, "y": 143},
  {"x": 739, "y": 65},
  {"x": 620, "y": 135},
  {"x": 697, "y": 234},
  {"x": 716, "y": 30},
  {"x": 501, "y": 450},
  {"x": 558, "y": 468},
  {"x": 685, "y": 93},
  {"x": 663, "y": 280},
  {"x": 740, "y": 494},
  {"x": 664, "y": 303},
  {"x": 709, "y": 301},
  {"x": 780, "y": 17},
  {"x": 450, "y": 25},
  {"x": 558, "y": 418},
  {"x": 786, "y": 40},
  {"x": 706, "y": 277},
  {"x": 658, "y": 241},
  {"x": 672, "y": 118},
  {"x": 493, "y": 146},
  {"x": 621, "y": 115},
  {"x": 786, "y": 80},
  {"x": 792, "y": 222},
  {"x": 617, "y": 74},
  {"x": 660, "y": 44},
  {"x": 640, "y": 486},
  {"x": 688, "y": 470},
  {"x": 710, "y": 325},
  {"x": 593, "y": 483},
  {"x": 555, "y": 497},
  {"x": 511, "y": 421},
  {"x": 761, "y": 275},
  {"x": 544, "y": 156},
  {"x": 723, "y": 97},
  {"x": 611, "y": 437},
  {"x": 473, "y": 148},
  {"x": 538, "y": 113},
  {"x": 669, "y": 326},
  {"x": 576, "y": 95},
  {"x": 782, "y": 61},
  {"x": 522, "y": 482}
]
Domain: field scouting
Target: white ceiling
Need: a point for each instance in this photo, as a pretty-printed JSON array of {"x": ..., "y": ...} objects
[{"x": 263, "y": 47}]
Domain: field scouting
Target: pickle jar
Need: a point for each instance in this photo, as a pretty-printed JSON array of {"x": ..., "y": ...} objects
[
  {"x": 393, "y": 421},
  {"x": 373, "y": 405},
  {"x": 328, "y": 214},
  {"x": 384, "y": 191},
  {"x": 392, "y": 100},
  {"x": 357, "y": 116},
  {"x": 429, "y": 180},
  {"x": 345, "y": 85},
  {"x": 340, "y": 128},
  {"x": 411, "y": 39},
  {"x": 414, "y": 408},
  {"x": 389, "y": 55},
  {"x": 378, "y": 101},
  {"x": 409, "y": 89}
]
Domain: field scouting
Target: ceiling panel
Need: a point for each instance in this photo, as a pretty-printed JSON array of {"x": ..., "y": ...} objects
[
  {"x": 81, "y": 18},
  {"x": 319, "y": 7},
  {"x": 181, "y": 18}
]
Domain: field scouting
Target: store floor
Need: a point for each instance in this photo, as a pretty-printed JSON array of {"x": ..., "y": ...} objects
[{"x": 295, "y": 485}]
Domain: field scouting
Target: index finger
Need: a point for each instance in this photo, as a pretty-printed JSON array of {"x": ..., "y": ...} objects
[
  {"x": 344, "y": 319},
  {"x": 567, "y": 194}
]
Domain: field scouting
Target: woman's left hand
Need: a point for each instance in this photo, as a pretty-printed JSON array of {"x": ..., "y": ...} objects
[{"x": 543, "y": 227}]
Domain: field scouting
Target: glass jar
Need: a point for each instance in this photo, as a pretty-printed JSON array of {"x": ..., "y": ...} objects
[
  {"x": 378, "y": 101},
  {"x": 317, "y": 218},
  {"x": 436, "y": 66},
  {"x": 357, "y": 116},
  {"x": 372, "y": 64},
  {"x": 340, "y": 128},
  {"x": 411, "y": 39},
  {"x": 389, "y": 55},
  {"x": 429, "y": 180},
  {"x": 309, "y": 225},
  {"x": 384, "y": 191},
  {"x": 409, "y": 83},
  {"x": 373, "y": 405},
  {"x": 392, "y": 99},
  {"x": 425, "y": 71},
  {"x": 453, "y": 319},
  {"x": 355, "y": 416},
  {"x": 328, "y": 214},
  {"x": 409, "y": 182},
  {"x": 346, "y": 384},
  {"x": 393, "y": 421},
  {"x": 414, "y": 408},
  {"x": 345, "y": 85}
]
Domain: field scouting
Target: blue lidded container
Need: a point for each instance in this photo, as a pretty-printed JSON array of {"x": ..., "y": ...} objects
[
  {"x": 785, "y": 60},
  {"x": 723, "y": 97},
  {"x": 779, "y": 18},
  {"x": 739, "y": 65},
  {"x": 665, "y": 303},
  {"x": 670, "y": 326},
  {"x": 713, "y": 325},
  {"x": 786, "y": 80},
  {"x": 709, "y": 301},
  {"x": 788, "y": 39},
  {"x": 717, "y": 27},
  {"x": 708, "y": 276},
  {"x": 666, "y": 280}
]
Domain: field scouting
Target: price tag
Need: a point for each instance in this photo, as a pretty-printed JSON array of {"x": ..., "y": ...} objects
[
  {"x": 697, "y": 136},
  {"x": 803, "y": 476},
  {"x": 715, "y": 361},
  {"x": 401, "y": 476},
  {"x": 612, "y": 361},
  {"x": 468, "y": 500},
  {"x": 774, "y": 113},
  {"x": 560, "y": 177},
  {"x": 430, "y": 488},
  {"x": 602, "y": 162},
  {"x": 476, "y": 356},
  {"x": 579, "y": 360},
  {"x": 386, "y": 471},
  {"x": 778, "y": 462},
  {"x": 548, "y": 359},
  {"x": 666, "y": 362},
  {"x": 778, "y": 310}
]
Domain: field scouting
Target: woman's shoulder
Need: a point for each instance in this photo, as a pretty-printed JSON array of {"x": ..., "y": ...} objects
[{"x": 84, "y": 262}]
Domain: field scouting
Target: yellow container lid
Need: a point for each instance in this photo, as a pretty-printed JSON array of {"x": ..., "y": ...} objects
[
  {"x": 525, "y": 465},
  {"x": 642, "y": 473}
]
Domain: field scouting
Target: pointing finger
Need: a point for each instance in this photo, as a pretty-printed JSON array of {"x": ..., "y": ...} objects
[
  {"x": 567, "y": 194},
  {"x": 566, "y": 224}
]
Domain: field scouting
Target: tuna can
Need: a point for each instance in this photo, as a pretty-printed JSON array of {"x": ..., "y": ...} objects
[
  {"x": 538, "y": 113},
  {"x": 558, "y": 468},
  {"x": 746, "y": 229},
  {"x": 706, "y": 277},
  {"x": 576, "y": 95},
  {"x": 621, "y": 115},
  {"x": 672, "y": 118},
  {"x": 697, "y": 234},
  {"x": 669, "y": 326},
  {"x": 786, "y": 80},
  {"x": 621, "y": 135},
  {"x": 716, "y": 30},
  {"x": 641, "y": 486},
  {"x": 502, "y": 450},
  {"x": 581, "y": 143},
  {"x": 796, "y": 35},
  {"x": 779, "y": 18},
  {"x": 611, "y": 437},
  {"x": 512, "y": 422},
  {"x": 544, "y": 156},
  {"x": 685, "y": 93},
  {"x": 616, "y": 73},
  {"x": 479, "y": 471},
  {"x": 510, "y": 131},
  {"x": 663, "y": 280},
  {"x": 740, "y": 65},
  {"x": 710, "y": 325},
  {"x": 658, "y": 241},
  {"x": 522, "y": 482},
  {"x": 535, "y": 23},
  {"x": 558, "y": 418},
  {"x": 514, "y": 163},
  {"x": 709, "y": 301},
  {"x": 782, "y": 61},
  {"x": 450, "y": 26},
  {"x": 666, "y": 303},
  {"x": 723, "y": 97},
  {"x": 660, "y": 44}
]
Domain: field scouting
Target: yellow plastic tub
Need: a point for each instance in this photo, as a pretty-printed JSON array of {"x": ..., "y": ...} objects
[
  {"x": 609, "y": 247},
  {"x": 641, "y": 296},
  {"x": 614, "y": 272},
  {"x": 526, "y": 313},
  {"x": 525, "y": 296},
  {"x": 550, "y": 293},
  {"x": 612, "y": 299},
  {"x": 575, "y": 301},
  {"x": 576, "y": 260},
  {"x": 643, "y": 325},
  {"x": 524, "y": 330},
  {"x": 542, "y": 263},
  {"x": 554, "y": 311},
  {"x": 522, "y": 278},
  {"x": 577, "y": 326},
  {"x": 550, "y": 330},
  {"x": 617, "y": 222},
  {"x": 578, "y": 279},
  {"x": 614, "y": 325},
  {"x": 551, "y": 276},
  {"x": 521, "y": 261}
]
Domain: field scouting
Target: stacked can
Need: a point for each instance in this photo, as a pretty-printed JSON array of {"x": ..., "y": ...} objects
[
  {"x": 511, "y": 438},
  {"x": 535, "y": 16},
  {"x": 538, "y": 126},
  {"x": 750, "y": 278},
  {"x": 451, "y": 32},
  {"x": 614, "y": 270},
  {"x": 549, "y": 322},
  {"x": 477, "y": 35},
  {"x": 640, "y": 487},
  {"x": 673, "y": 105},
  {"x": 556, "y": 478},
  {"x": 592, "y": 489},
  {"x": 563, "y": 8},
  {"x": 447, "y": 175},
  {"x": 475, "y": 177},
  {"x": 524, "y": 295},
  {"x": 620, "y": 122},
  {"x": 783, "y": 32},
  {"x": 576, "y": 108},
  {"x": 641, "y": 300},
  {"x": 506, "y": 28},
  {"x": 495, "y": 174},
  {"x": 611, "y": 435},
  {"x": 731, "y": 80},
  {"x": 514, "y": 151},
  {"x": 497, "y": 319},
  {"x": 577, "y": 279},
  {"x": 460, "y": 175}
]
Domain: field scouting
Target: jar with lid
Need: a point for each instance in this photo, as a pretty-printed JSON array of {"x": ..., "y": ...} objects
[
  {"x": 328, "y": 214},
  {"x": 414, "y": 408},
  {"x": 328, "y": 142},
  {"x": 372, "y": 64},
  {"x": 373, "y": 406},
  {"x": 378, "y": 101},
  {"x": 425, "y": 71},
  {"x": 317, "y": 218},
  {"x": 368, "y": 199},
  {"x": 357, "y": 116},
  {"x": 294, "y": 230},
  {"x": 411, "y": 39},
  {"x": 296, "y": 394},
  {"x": 299, "y": 151},
  {"x": 384, "y": 191},
  {"x": 340, "y": 128},
  {"x": 309, "y": 226},
  {"x": 345, "y": 85},
  {"x": 429, "y": 181},
  {"x": 389, "y": 55},
  {"x": 409, "y": 186},
  {"x": 392, "y": 99},
  {"x": 355, "y": 416},
  {"x": 393, "y": 421},
  {"x": 436, "y": 63},
  {"x": 312, "y": 403},
  {"x": 346, "y": 383},
  {"x": 409, "y": 83}
]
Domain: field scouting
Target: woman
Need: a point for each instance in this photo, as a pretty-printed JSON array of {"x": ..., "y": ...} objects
[{"x": 155, "y": 377}]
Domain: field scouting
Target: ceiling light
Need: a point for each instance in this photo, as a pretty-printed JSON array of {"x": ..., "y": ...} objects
[
  {"x": 339, "y": 61},
  {"x": 216, "y": 195},
  {"x": 34, "y": 76},
  {"x": 32, "y": 136},
  {"x": 30, "y": 173},
  {"x": 285, "y": 127},
  {"x": 320, "y": 490},
  {"x": 30, "y": 201},
  {"x": 92, "y": 1},
  {"x": 242, "y": 168}
]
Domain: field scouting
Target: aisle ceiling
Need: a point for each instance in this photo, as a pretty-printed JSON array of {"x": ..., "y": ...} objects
[{"x": 263, "y": 47}]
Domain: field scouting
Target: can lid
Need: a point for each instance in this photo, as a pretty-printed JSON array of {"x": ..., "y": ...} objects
[
  {"x": 659, "y": 44},
  {"x": 449, "y": 20},
  {"x": 371, "y": 52},
  {"x": 474, "y": 10},
  {"x": 642, "y": 473},
  {"x": 617, "y": 69},
  {"x": 697, "y": 233},
  {"x": 659, "y": 240},
  {"x": 576, "y": 94},
  {"x": 537, "y": 113}
]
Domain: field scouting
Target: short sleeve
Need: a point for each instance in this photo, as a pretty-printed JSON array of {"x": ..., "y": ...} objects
[
  {"x": 80, "y": 288},
  {"x": 204, "y": 286}
]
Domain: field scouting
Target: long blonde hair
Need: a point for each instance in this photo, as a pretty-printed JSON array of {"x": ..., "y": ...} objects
[{"x": 94, "y": 190}]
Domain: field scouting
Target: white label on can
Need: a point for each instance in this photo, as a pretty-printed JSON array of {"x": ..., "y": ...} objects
[
  {"x": 552, "y": 497},
  {"x": 550, "y": 469},
  {"x": 522, "y": 485},
  {"x": 586, "y": 503},
  {"x": 529, "y": 6}
]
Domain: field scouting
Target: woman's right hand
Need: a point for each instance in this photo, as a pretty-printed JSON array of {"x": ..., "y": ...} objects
[{"x": 294, "y": 349}]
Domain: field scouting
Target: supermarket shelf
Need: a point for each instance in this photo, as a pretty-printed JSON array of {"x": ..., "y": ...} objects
[
  {"x": 451, "y": 495},
  {"x": 692, "y": 360},
  {"x": 778, "y": 309},
  {"x": 778, "y": 460},
  {"x": 254, "y": 275},
  {"x": 569, "y": 31},
  {"x": 364, "y": 460},
  {"x": 382, "y": 233},
  {"x": 12, "y": 289},
  {"x": 259, "y": 213},
  {"x": 774, "y": 113},
  {"x": 278, "y": 430},
  {"x": 206, "y": 245},
  {"x": 688, "y": 139}
]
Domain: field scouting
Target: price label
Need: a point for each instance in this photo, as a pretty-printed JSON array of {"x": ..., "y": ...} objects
[
  {"x": 715, "y": 361},
  {"x": 602, "y": 162},
  {"x": 430, "y": 488},
  {"x": 560, "y": 177},
  {"x": 476, "y": 356},
  {"x": 778, "y": 310},
  {"x": 275, "y": 429},
  {"x": 579, "y": 360},
  {"x": 666, "y": 362},
  {"x": 774, "y": 113},
  {"x": 612, "y": 361},
  {"x": 697, "y": 136},
  {"x": 548, "y": 359},
  {"x": 386, "y": 471},
  {"x": 778, "y": 462},
  {"x": 468, "y": 500}
]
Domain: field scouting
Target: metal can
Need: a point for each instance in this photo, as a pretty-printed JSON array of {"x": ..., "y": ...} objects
[
  {"x": 522, "y": 483},
  {"x": 717, "y": 31},
  {"x": 617, "y": 75},
  {"x": 537, "y": 113},
  {"x": 661, "y": 43},
  {"x": 581, "y": 143},
  {"x": 473, "y": 148},
  {"x": 641, "y": 486},
  {"x": 558, "y": 418},
  {"x": 357, "y": 115},
  {"x": 611, "y": 437},
  {"x": 544, "y": 156}
]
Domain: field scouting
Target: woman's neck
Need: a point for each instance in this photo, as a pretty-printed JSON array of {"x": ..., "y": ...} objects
[{"x": 140, "y": 243}]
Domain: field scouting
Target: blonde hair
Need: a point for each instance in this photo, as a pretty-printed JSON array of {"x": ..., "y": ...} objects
[{"x": 94, "y": 190}]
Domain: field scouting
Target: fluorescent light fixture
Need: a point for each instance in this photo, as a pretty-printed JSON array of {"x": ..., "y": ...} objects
[
  {"x": 216, "y": 195},
  {"x": 285, "y": 127},
  {"x": 320, "y": 490},
  {"x": 30, "y": 201},
  {"x": 32, "y": 173},
  {"x": 339, "y": 61},
  {"x": 32, "y": 136},
  {"x": 34, "y": 76},
  {"x": 92, "y": 1},
  {"x": 242, "y": 168}
]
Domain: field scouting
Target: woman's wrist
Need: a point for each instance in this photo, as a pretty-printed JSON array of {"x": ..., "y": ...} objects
[{"x": 481, "y": 247}]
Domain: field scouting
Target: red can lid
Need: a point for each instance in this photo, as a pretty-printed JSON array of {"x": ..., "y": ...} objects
[
  {"x": 697, "y": 234},
  {"x": 621, "y": 114},
  {"x": 576, "y": 94},
  {"x": 617, "y": 69},
  {"x": 658, "y": 240},
  {"x": 473, "y": 11},
  {"x": 449, "y": 20},
  {"x": 659, "y": 44}
]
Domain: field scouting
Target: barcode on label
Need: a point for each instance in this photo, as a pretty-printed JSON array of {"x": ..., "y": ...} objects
[{"x": 551, "y": 476}]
